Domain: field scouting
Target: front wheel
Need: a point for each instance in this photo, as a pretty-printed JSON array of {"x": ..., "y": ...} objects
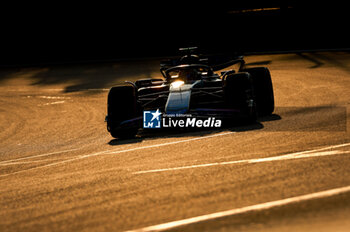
[
  {"x": 121, "y": 106},
  {"x": 263, "y": 89},
  {"x": 123, "y": 134},
  {"x": 239, "y": 94}
]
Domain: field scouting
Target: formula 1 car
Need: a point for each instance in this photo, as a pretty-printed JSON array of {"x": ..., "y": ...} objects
[{"x": 191, "y": 86}]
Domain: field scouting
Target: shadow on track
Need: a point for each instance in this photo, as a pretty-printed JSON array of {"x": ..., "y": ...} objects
[
  {"x": 334, "y": 60},
  {"x": 80, "y": 77},
  {"x": 157, "y": 134},
  {"x": 317, "y": 62},
  {"x": 296, "y": 119},
  {"x": 259, "y": 63},
  {"x": 272, "y": 117}
]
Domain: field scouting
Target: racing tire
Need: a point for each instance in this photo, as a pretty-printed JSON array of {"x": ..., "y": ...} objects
[
  {"x": 239, "y": 94},
  {"x": 263, "y": 89},
  {"x": 123, "y": 134},
  {"x": 121, "y": 106}
]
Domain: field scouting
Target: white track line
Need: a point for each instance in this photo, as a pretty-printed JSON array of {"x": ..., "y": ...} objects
[
  {"x": 297, "y": 155},
  {"x": 247, "y": 209},
  {"x": 32, "y": 161},
  {"x": 54, "y": 90},
  {"x": 172, "y": 143},
  {"x": 36, "y": 156},
  {"x": 53, "y": 97},
  {"x": 52, "y": 103},
  {"x": 111, "y": 152},
  {"x": 27, "y": 162}
]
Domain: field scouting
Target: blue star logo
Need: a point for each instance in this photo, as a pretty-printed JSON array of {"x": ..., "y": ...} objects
[{"x": 151, "y": 119}]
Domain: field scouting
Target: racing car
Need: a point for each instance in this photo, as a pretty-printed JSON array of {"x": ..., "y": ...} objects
[{"x": 192, "y": 85}]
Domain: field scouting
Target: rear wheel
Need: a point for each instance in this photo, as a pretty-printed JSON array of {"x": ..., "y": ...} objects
[
  {"x": 265, "y": 102},
  {"x": 121, "y": 106},
  {"x": 239, "y": 94}
]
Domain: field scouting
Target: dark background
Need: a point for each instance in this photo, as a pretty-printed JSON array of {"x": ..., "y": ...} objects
[{"x": 63, "y": 32}]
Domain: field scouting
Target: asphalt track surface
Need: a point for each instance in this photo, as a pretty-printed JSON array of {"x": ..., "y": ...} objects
[{"x": 61, "y": 171}]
